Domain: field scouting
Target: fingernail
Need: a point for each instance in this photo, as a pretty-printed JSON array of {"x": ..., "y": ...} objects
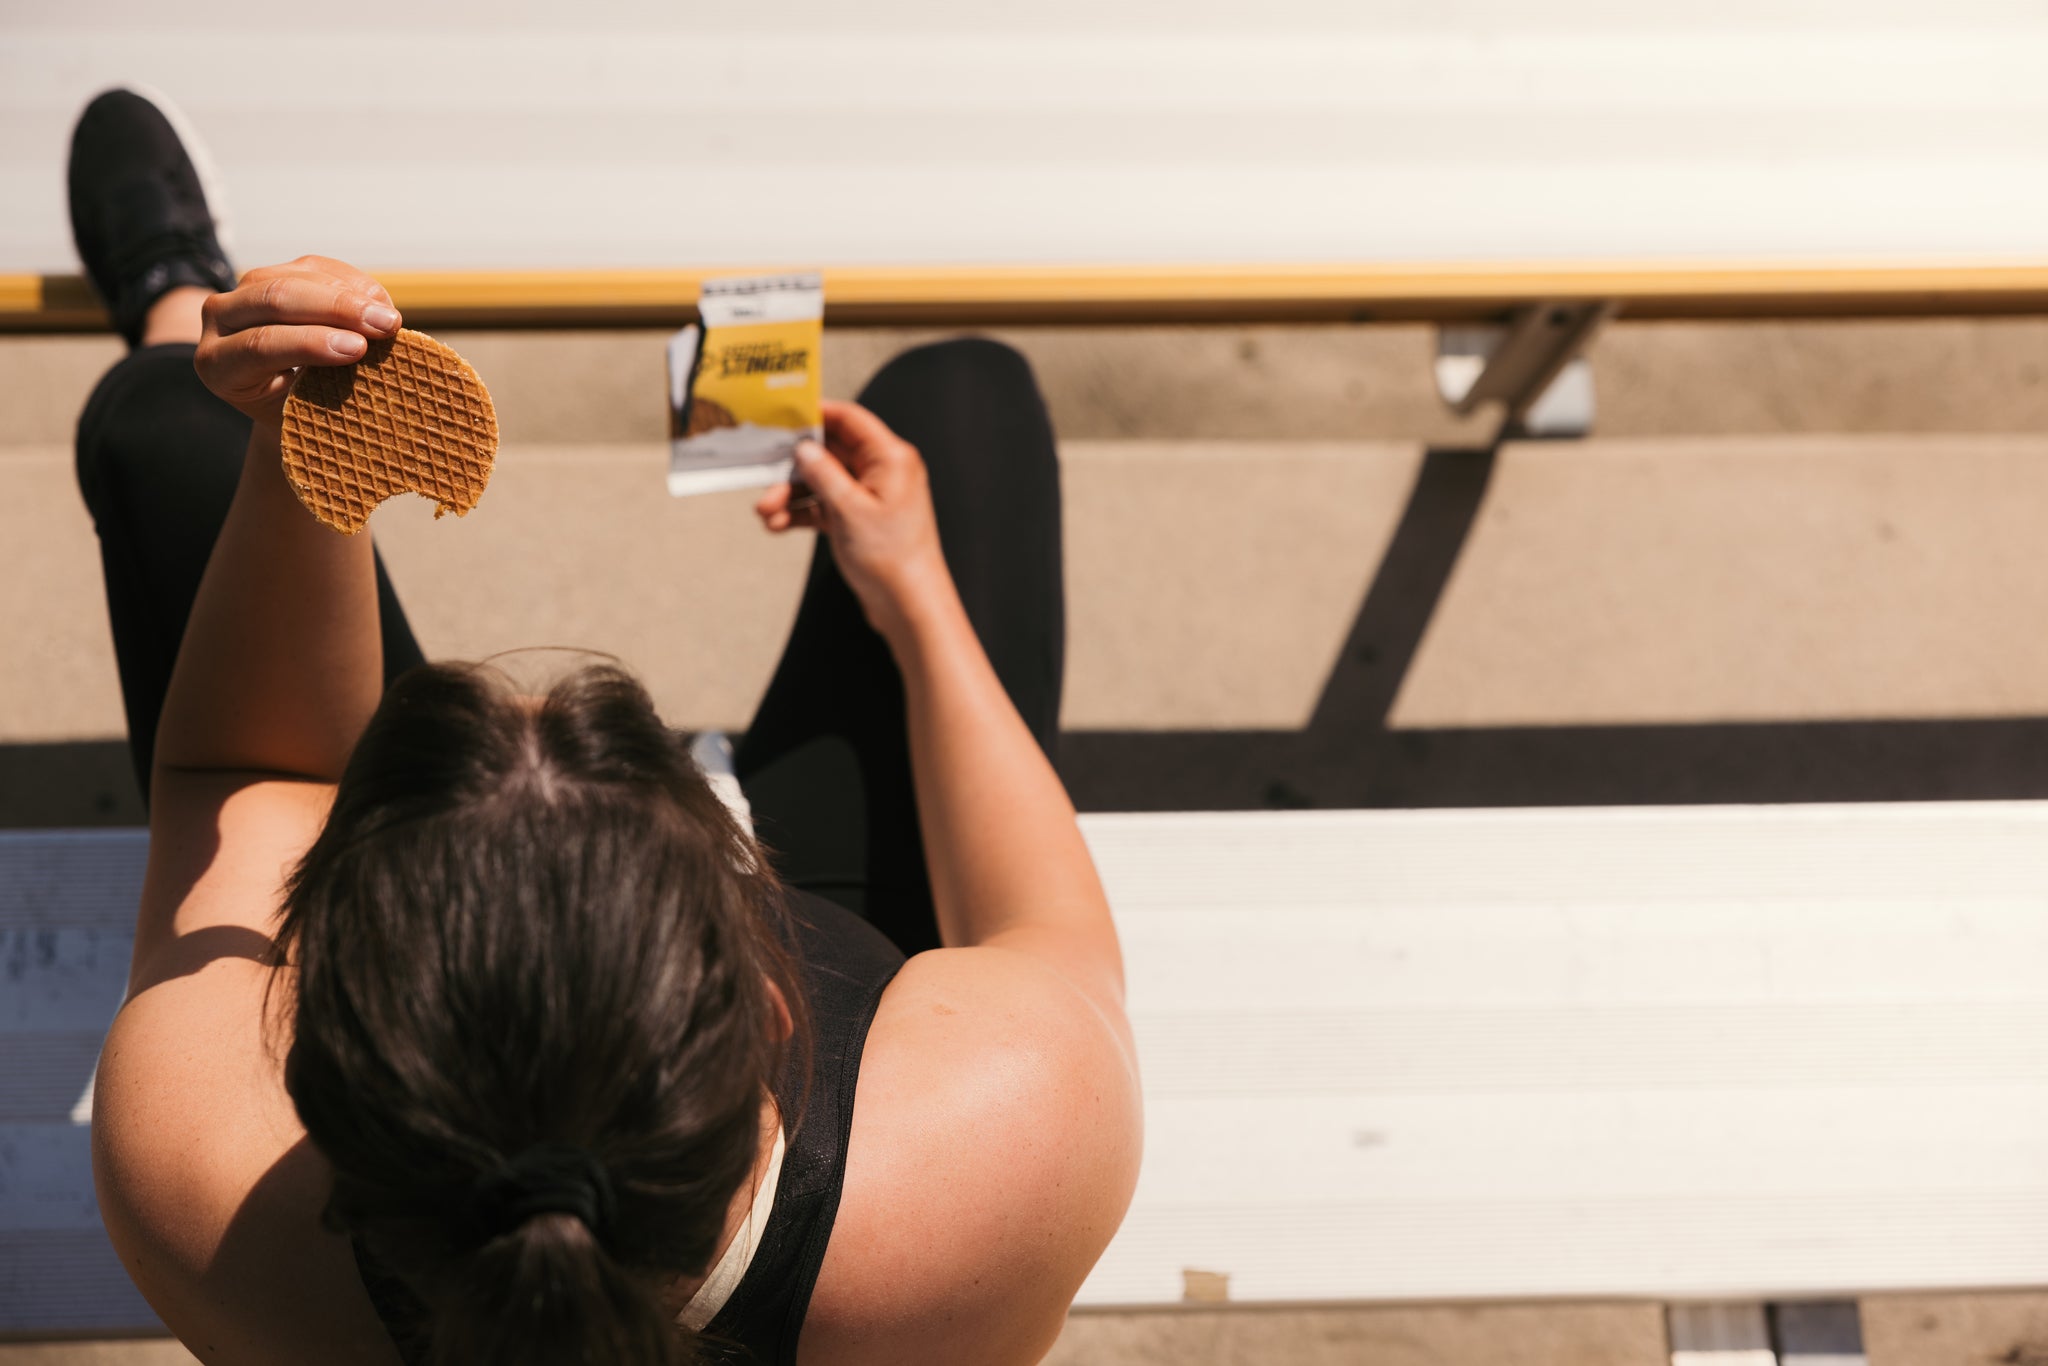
[
  {"x": 346, "y": 344},
  {"x": 382, "y": 318},
  {"x": 807, "y": 451}
]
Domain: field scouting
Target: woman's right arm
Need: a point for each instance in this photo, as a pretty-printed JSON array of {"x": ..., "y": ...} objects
[{"x": 1008, "y": 864}]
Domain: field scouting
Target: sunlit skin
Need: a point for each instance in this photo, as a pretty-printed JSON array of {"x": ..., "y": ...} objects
[{"x": 175, "y": 317}]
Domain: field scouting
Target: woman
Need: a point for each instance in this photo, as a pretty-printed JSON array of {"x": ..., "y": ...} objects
[{"x": 465, "y": 1025}]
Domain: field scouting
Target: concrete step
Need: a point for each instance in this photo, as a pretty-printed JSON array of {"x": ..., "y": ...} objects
[
  {"x": 1212, "y": 584},
  {"x": 1197, "y": 572},
  {"x": 1777, "y": 524},
  {"x": 1266, "y": 383},
  {"x": 1898, "y": 1330},
  {"x": 1511, "y": 1335}
]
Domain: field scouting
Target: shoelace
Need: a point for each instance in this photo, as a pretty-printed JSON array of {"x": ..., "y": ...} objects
[{"x": 160, "y": 201}]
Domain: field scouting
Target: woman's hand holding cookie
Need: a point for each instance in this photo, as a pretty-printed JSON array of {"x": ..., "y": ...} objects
[
  {"x": 873, "y": 502},
  {"x": 312, "y": 311}
]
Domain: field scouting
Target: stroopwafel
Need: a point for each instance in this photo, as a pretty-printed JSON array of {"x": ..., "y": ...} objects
[{"x": 410, "y": 416}]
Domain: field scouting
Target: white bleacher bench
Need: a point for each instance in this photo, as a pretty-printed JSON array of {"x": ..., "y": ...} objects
[
  {"x": 629, "y": 135},
  {"x": 1689, "y": 1054},
  {"x": 1535, "y": 167}
]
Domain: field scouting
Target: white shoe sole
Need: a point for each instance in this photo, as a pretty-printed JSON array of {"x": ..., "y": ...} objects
[{"x": 202, "y": 162}]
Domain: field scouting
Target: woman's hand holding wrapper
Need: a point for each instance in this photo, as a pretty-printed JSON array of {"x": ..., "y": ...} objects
[
  {"x": 977, "y": 768},
  {"x": 870, "y": 497}
]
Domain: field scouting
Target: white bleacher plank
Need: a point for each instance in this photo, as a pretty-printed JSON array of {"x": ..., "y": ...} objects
[
  {"x": 1679, "y": 1053},
  {"x": 1645, "y": 1143},
  {"x": 1565, "y": 1048},
  {"x": 1578, "y": 857},
  {"x": 1320, "y": 1251},
  {"x": 636, "y": 134},
  {"x": 1706, "y": 1052},
  {"x": 1883, "y": 951}
]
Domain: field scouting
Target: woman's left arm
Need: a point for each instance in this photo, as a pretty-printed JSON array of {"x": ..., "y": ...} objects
[{"x": 281, "y": 663}]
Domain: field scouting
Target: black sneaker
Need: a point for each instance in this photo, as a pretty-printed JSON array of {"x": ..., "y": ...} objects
[{"x": 138, "y": 209}]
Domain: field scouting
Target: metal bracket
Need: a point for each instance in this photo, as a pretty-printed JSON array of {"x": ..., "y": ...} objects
[
  {"x": 1815, "y": 1333},
  {"x": 1736, "y": 1334},
  {"x": 1818, "y": 1333},
  {"x": 1532, "y": 367}
]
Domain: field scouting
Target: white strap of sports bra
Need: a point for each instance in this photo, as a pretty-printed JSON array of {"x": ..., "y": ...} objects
[{"x": 739, "y": 1253}]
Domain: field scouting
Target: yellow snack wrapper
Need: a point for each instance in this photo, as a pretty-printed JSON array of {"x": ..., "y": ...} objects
[{"x": 744, "y": 387}]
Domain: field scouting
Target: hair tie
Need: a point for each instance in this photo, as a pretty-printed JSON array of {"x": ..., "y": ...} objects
[{"x": 548, "y": 1178}]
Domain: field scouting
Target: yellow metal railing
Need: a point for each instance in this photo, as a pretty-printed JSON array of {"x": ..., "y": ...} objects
[{"x": 1434, "y": 292}]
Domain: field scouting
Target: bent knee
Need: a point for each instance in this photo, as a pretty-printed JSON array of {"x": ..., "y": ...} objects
[{"x": 981, "y": 367}]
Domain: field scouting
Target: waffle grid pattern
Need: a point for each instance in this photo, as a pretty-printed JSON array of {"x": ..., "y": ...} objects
[{"x": 411, "y": 416}]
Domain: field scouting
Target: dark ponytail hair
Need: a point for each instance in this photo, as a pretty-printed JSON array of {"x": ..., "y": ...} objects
[{"x": 530, "y": 926}]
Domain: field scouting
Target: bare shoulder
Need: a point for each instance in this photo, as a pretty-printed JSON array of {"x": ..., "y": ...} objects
[
  {"x": 995, "y": 1144},
  {"x": 207, "y": 1184}
]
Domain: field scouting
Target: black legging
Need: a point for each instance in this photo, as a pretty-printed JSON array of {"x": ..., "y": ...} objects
[{"x": 826, "y": 762}]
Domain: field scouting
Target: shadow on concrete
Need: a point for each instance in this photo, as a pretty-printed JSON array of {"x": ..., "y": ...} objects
[
  {"x": 87, "y": 783},
  {"x": 1348, "y": 757}
]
